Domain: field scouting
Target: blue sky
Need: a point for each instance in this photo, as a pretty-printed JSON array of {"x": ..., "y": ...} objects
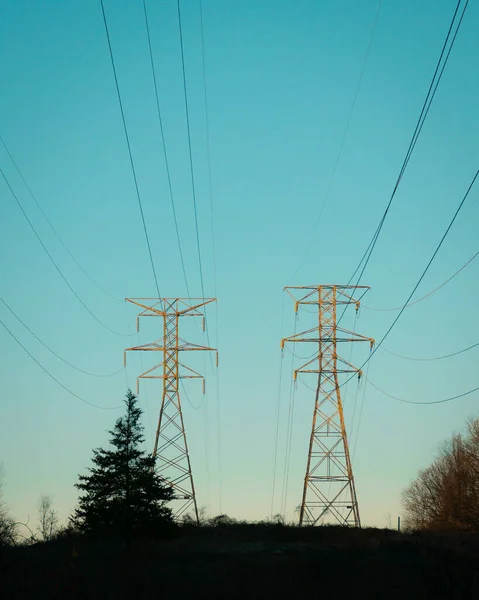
[{"x": 281, "y": 77}]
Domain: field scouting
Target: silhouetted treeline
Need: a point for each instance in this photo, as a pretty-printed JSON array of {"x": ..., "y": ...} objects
[{"x": 446, "y": 494}]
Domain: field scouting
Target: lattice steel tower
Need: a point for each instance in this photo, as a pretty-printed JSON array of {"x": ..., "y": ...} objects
[
  {"x": 329, "y": 489},
  {"x": 171, "y": 448}
]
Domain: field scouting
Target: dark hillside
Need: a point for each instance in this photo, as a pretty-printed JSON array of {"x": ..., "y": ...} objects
[{"x": 249, "y": 561}]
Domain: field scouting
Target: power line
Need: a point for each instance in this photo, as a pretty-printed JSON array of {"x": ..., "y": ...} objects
[
  {"x": 132, "y": 164},
  {"x": 434, "y": 357},
  {"x": 355, "y": 404},
  {"x": 52, "y": 260},
  {"x": 289, "y": 434},
  {"x": 356, "y": 314},
  {"x": 188, "y": 398},
  {"x": 276, "y": 434},
  {"x": 203, "y": 404},
  {"x": 210, "y": 177},
  {"x": 298, "y": 356},
  {"x": 177, "y": 231},
  {"x": 207, "y": 451},
  {"x": 360, "y": 413},
  {"x": 278, "y": 406},
  {"x": 208, "y": 149},
  {"x": 343, "y": 139},
  {"x": 419, "y": 125},
  {"x": 306, "y": 384},
  {"x": 193, "y": 187},
  {"x": 427, "y": 295},
  {"x": 53, "y": 351},
  {"x": 461, "y": 204},
  {"x": 50, "y": 224},
  {"x": 444, "y": 400},
  {"x": 412, "y": 293},
  {"x": 54, "y": 378},
  {"x": 190, "y": 153},
  {"x": 218, "y": 422},
  {"x": 289, "y": 444},
  {"x": 215, "y": 280},
  {"x": 167, "y": 164},
  {"x": 378, "y": 345},
  {"x": 173, "y": 203},
  {"x": 146, "y": 392},
  {"x": 412, "y": 144}
]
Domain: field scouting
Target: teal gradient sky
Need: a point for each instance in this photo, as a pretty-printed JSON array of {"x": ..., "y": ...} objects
[{"x": 281, "y": 77}]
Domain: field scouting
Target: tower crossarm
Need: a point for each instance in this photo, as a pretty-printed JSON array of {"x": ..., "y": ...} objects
[
  {"x": 316, "y": 335},
  {"x": 306, "y": 294}
]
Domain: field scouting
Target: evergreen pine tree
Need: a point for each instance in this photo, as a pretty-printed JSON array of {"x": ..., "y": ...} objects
[{"x": 122, "y": 493}]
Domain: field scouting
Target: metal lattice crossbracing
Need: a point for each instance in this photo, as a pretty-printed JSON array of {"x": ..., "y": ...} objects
[
  {"x": 329, "y": 490},
  {"x": 171, "y": 448}
]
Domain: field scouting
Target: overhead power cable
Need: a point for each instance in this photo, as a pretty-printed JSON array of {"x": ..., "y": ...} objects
[
  {"x": 183, "y": 387},
  {"x": 53, "y": 351},
  {"x": 427, "y": 295},
  {"x": 206, "y": 438},
  {"x": 289, "y": 433},
  {"x": 127, "y": 137},
  {"x": 54, "y": 378},
  {"x": 439, "y": 70},
  {"x": 210, "y": 177},
  {"x": 451, "y": 223},
  {"x": 278, "y": 407},
  {"x": 350, "y": 428},
  {"x": 218, "y": 424},
  {"x": 434, "y": 357},
  {"x": 301, "y": 357},
  {"x": 307, "y": 384},
  {"x": 165, "y": 153},
  {"x": 408, "y": 300},
  {"x": 192, "y": 176},
  {"x": 461, "y": 204},
  {"x": 343, "y": 139},
  {"x": 208, "y": 149},
  {"x": 360, "y": 413},
  {"x": 213, "y": 239},
  {"x": 350, "y": 359},
  {"x": 52, "y": 260},
  {"x": 190, "y": 152},
  {"x": 54, "y": 230},
  {"x": 443, "y": 401}
]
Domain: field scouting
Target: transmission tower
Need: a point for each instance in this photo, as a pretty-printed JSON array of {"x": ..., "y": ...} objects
[
  {"x": 329, "y": 490},
  {"x": 171, "y": 448}
]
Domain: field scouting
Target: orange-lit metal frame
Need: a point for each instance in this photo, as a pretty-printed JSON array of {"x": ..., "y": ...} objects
[
  {"x": 171, "y": 448},
  {"x": 329, "y": 490}
]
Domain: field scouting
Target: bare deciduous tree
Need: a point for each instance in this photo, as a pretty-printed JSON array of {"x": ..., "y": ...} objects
[
  {"x": 47, "y": 518},
  {"x": 446, "y": 494},
  {"x": 8, "y": 531}
]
